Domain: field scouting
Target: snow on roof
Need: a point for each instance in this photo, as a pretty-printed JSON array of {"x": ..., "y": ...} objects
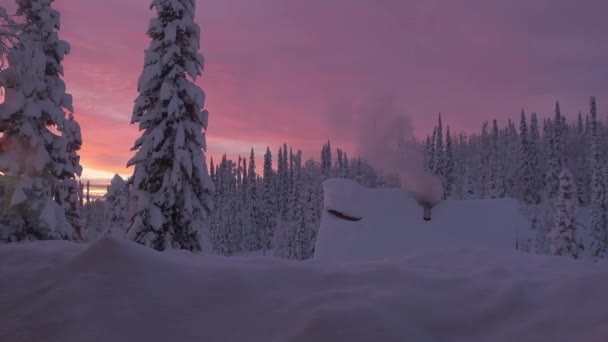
[{"x": 392, "y": 224}]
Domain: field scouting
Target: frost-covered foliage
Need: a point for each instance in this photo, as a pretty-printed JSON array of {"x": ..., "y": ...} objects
[
  {"x": 68, "y": 192},
  {"x": 171, "y": 184},
  {"x": 599, "y": 196},
  {"x": 528, "y": 162},
  {"x": 33, "y": 215},
  {"x": 117, "y": 206},
  {"x": 94, "y": 214},
  {"x": 564, "y": 239},
  {"x": 525, "y": 163},
  {"x": 251, "y": 236},
  {"x": 68, "y": 196},
  {"x": 9, "y": 31},
  {"x": 267, "y": 203},
  {"x": 35, "y": 101}
]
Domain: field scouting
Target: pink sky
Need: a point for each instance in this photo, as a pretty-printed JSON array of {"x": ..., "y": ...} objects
[{"x": 287, "y": 70}]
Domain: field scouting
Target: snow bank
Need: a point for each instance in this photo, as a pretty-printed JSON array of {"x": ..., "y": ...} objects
[
  {"x": 114, "y": 290},
  {"x": 393, "y": 224}
]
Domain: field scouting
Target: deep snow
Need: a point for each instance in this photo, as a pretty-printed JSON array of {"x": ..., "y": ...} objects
[
  {"x": 115, "y": 290},
  {"x": 389, "y": 277},
  {"x": 392, "y": 224}
]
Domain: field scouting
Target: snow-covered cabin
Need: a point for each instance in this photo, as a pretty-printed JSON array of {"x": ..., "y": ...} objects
[{"x": 361, "y": 224}]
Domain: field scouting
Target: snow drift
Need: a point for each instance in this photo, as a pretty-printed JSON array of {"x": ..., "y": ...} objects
[
  {"x": 392, "y": 224},
  {"x": 114, "y": 290}
]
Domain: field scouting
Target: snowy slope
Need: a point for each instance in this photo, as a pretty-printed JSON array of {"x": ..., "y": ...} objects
[
  {"x": 114, "y": 290},
  {"x": 392, "y": 224}
]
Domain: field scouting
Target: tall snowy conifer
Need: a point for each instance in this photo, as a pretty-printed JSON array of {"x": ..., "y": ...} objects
[
  {"x": 564, "y": 240},
  {"x": 450, "y": 168},
  {"x": 212, "y": 170},
  {"x": 268, "y": 207},
  {"x": 88, "y": 194},
  {"x": 497, "y": 180},
  {"x": 554, "y": 154},
  {"x": 468, "y": 186},
  {"x": 116, "y": 206},
  {"x": 439, "y": 152},
  {"x": 512, "y": 160},
  {"x": 536, "y": 179},
  {"x": 67, "y": 192},
  {"x": 252, "y": 238},
  {"x": 285, "y": 185},
  {"x": 345, "y": 166},
  {"x": 486, "y": 160},
  {"x": 340, "y": 162},
  {"x": 526, "y": 179},
  {"x": 278, "y": 182},
  {"x": 36, "y": 100},
  {"x": 582, "y": 172},
  {"x": 171, "y": 181},
  {"x": 599, "y": 202}
]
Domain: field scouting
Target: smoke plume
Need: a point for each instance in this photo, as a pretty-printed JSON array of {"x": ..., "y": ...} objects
[{"x": 385, "y": 139}]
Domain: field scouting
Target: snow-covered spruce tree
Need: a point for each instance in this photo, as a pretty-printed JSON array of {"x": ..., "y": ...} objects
[
  {"x": 284, "y": 185},
  {"x": 313, "y": 193},
  {"x": 116, "y": 206},
  {"x": 9, "y": 31},
  {"x": 583, "y": 180},
  {"x": 536, "y": 172},
  {"x": 301, "y": 237},
  {"x": 278, "y": 183},
  {"x": 268, "y": 206},
  {"x": 252, "y": 236},
  {"x": 339, "y": 162},
  {"x": 564, "y": 240},
  {"x": 599, "y": 201},
  {"x": 496, "y": 185},
  {"x": 296, "y": 239},
  {"x": 68, "y": 189},
  {"x": 526, "y": 178},
  {"x": 359, "y": 171},
  {"x": 35, "y": 100},
  {"x": 511, "y": 155},
  {"x": 218, "y": 233},
  {"x": 88, "y": 194},
  {"x": 554, "y": 155},
  {"x": 450, "y": 168},
  {"x": 226, "y": 229},
  {"x": 468, "y": 184},
  {"x": 486, "y": 154},
  {"x": 439, "y": 152},
  {"x": 345, "y": 167},
  {"x": 212, "y": 170},
  {"x": 81, "y": 193},
  {"x": 94, "y": 219},
  {"x": 170, "y": 180},
  {"x": 241, "y": 178}
]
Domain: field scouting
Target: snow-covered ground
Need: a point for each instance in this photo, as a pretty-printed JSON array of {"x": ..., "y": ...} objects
[
  {"x": 115, "y": 290},
  {"x": 389, "y": 277}
]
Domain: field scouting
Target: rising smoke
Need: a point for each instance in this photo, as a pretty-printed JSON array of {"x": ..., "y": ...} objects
[{"x": 385, "y": 138}]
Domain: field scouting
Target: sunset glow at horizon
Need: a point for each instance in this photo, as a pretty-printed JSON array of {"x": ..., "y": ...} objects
[{"x": 295, "y": 72}]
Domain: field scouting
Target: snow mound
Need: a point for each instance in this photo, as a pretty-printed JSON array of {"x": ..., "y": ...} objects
[
  {"x": 114, "y": 290},
  {"x": 392, "y": 224}
]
